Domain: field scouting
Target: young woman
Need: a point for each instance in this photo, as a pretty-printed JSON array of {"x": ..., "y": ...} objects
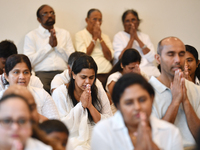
[
  {"x": 131, "y": 37},
  {"x": 80, "y": 104},
  {"x": 18, "y": 71},
  {"x": 192, "y": 69},
  {"x": 15, "y": 125},
  {"x": 132, "y": 127}
]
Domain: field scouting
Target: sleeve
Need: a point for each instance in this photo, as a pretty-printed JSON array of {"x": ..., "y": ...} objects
[
  {"x": 65, "y": 46},
  {"x": 151, "y": 54},
  {"x": 118, "y": 45},
  {"x": 35, "y": 81},
  {"x": 106, "y": 110},
  {"x": 49, "y": 108},
  {"x": 79, "y": 43},
  {"x": 35, "y": 55},
  {"x": 58, "y": 80},
  {"x": 176, "y": 140}
]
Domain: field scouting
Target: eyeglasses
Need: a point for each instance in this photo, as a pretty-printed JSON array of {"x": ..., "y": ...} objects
[
  {"x": 46, "y": 13},
  {"x": 7, "y": 122}
]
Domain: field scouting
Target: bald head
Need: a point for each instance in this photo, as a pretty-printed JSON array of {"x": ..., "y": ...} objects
[{"x": 168, "y": 41}]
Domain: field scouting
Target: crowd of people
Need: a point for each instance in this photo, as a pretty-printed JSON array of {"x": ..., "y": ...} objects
[{"x": 99, "y": 95}]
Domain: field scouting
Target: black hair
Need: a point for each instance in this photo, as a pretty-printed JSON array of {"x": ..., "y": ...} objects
[
  {"x": 73, "y": 57},
  {"x": 53, "y": 125},
  {"x": 39, "y": 9},
  {"x": 84, "y": 62},
  {"x": 10, "y": 96},
  {"x": 91, "y": 11},
  {"x": 128, "y": 80},
  {"x": 132, "y": 11},
  {"x": 13, "y": 60},
  {"x": 129, "y": 56},
  {"x": 7, "y": 48},
  {"x": 194, "y": 52}
]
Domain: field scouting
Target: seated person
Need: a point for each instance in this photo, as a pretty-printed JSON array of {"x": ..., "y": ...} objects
[
  {"x": 131, "y": 37},
  {"x": 15, "y": 125},
  {"x": 18, "y": 71},
  {"x": 95, "y": 43},
  {"x": 57, "y": 131},
  {"x": 132, "y": 126},
  {"x": 176, "y": 99},
  {"x": 80, "y": 103},
  {"x": 192, "y": 69}
]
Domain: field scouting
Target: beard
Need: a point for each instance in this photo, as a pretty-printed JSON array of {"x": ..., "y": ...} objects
[{"x": 50, "y": 22}]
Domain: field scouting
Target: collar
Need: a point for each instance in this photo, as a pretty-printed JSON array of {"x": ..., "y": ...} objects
[
  {"x": 43, "y": 30},
  {"x": 118, "y": 121},
  {"x": 158, "y": 86}
]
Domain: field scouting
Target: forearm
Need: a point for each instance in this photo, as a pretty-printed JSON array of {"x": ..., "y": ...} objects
[
  {"x": 171, "y": 112},
  {"x": 106, "y": 51},
  {"x": 95, "y": 114},
  {"x": 129, "y": 45},
  {"x": 141, "y": 44},
  {"x": 192, "y": 119},
  {"x": 90, "y": 48}
]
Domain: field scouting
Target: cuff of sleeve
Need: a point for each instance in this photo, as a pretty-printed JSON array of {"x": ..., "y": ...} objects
[
  {"x": 48, "y": 47},
  {"x": 149, "y": 56}
]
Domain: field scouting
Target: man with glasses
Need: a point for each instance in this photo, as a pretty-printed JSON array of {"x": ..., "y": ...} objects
[{"x": 48, "y": 47}]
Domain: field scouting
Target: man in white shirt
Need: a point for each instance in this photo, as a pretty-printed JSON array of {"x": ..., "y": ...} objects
[
  {"x": 48, "y": 47},
  {"x": 177, "y": 100}
]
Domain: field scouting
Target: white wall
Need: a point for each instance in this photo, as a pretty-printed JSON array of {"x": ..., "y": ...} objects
[{"x": 161, "y": 18}]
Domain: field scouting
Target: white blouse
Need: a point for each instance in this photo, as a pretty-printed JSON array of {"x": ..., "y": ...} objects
[
  {"x": 76, "y": 117},
  {"x": 112, "y": 134},
  {"x": 34, "y": 144}
]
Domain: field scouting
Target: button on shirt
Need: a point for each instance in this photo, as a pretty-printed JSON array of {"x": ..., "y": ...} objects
[
  {"x": 162, "y": 100},
  {"x": 43, "y": 57}
]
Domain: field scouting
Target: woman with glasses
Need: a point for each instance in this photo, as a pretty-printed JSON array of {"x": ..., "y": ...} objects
[
  {"x": 93, "y": 42},
  {"x": 131, "y": 37},
  {"x": 15, "y": 125},
  {"x": 18, "y": 71}
]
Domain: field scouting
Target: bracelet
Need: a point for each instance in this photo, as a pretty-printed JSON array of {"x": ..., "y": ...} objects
[
  {"x": 101, "y": 40},
  {"x": 94, "y": 42},
  {"x": 144, "y": 47}
]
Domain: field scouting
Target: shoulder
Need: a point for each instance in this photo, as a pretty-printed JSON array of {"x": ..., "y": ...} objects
[
  {"x": 81, "y": 32},
  {"x": 34, "y": 144},
  {"x": 60, "y": 93},
  {"x": 115, "y": 76}
]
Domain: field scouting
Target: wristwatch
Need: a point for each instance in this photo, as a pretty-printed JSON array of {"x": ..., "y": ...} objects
[{"x": 144, "y": 47}]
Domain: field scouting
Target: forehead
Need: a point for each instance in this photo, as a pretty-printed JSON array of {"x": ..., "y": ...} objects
[
  {"x": 95, "y": 14},
  {"x": 172, "y": 45},
  {"x": 130, "y": 15},
  {"x": 86, "y": 71},
  {"x": 46, "y": 9},
  {"x": 21, "y": 65}
]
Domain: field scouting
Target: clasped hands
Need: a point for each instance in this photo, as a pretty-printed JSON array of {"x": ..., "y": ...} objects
[
  {"x": 96, "y": 34},
  {"x": 133, "y": 32},
  {"x": 53, "y": 38},
  {"x": 86, "y": 98}
]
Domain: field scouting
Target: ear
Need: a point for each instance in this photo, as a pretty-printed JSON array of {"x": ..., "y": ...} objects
[
  {"x": 121, "y": 65},
  {"x": 157, "y": 58},
  {"x": 5, "y": 75},
  {"x": 86, "y": 20},
  {"x": 198, "y": 63},
  {"x": 39, "y": 20},
  {"x": 73, "y": 75}
]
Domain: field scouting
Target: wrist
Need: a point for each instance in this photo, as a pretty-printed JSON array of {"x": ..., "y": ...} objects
[{"x": 93, "y": 41}]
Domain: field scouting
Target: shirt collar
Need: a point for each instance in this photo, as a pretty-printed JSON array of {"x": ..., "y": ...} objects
[
  {"x": 158, "y": 86},
  {"x": 118, "y": 121},
  {"x": 43, "y": 30}
]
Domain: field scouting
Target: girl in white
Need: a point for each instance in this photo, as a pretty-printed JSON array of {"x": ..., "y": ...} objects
[{"x": 80, "y": 104}]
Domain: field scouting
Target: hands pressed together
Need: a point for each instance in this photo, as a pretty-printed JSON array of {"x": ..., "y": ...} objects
[
  {"x": 52, "y": 38},
  {"x": 86, "y": 98},
  {"x": 96, "y": 31}
]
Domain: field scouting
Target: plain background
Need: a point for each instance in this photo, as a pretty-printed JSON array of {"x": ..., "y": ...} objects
[{"x": 160, "y": 18}]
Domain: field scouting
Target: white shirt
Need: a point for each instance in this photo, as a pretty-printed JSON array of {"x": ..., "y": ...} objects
[
  {"x": 43, "y": 57},
  {"x": 83, "y": 39},
  {"x": 45, "y": 104},
  {"x": 76, "y": 118},
  {"x": 162, "y": 100},
  {"x": 112, "y": 134},
  {"x": 34, "y": 81},
  {"x": 34, "y": 144},
  {"x": 121, "y": 40}
]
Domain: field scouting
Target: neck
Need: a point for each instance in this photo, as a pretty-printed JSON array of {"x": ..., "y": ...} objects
[
  {"x": 193, "y": 77},
  {"x": 131, "y": 129},
  {"x": 89, "y": 30},
  {"x": 48, "y": 27},
  {"x": 165, "y": 79}
]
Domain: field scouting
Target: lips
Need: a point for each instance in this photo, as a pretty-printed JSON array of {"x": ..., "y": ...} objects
[{"x": 15, "y": 136}]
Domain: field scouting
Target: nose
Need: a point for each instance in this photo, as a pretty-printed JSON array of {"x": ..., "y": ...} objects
[
  {"x": 177, "y": 58},
  {"x": 21, "y": 75},
  {"x": 137, "y": 106},
  {"x": 15, "y": 126}
]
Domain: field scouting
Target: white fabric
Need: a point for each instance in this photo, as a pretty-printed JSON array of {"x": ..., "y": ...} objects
[
  {"x": 196, "y": 81},
  {"x": 121, "y": 40},
  {"x": 163, "y": 98},
  {"x": 42, "y": 56},
  {"x": 34, "y": 144},
  {"x": 76, "y": 118},
  {"x": 112, "y": 134},
  {"x": 45, "y": 104},
  {"x": 34, "y": 81},
  {"x": 83, "y": 39}
]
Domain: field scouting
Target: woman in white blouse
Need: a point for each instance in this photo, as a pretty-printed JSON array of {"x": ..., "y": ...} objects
[
  {"x": 80, "y": 104},
  {"x": 131, "y": 37},
  {"x": 18, "y": 71},
  {"x": 132, "y": 127}
]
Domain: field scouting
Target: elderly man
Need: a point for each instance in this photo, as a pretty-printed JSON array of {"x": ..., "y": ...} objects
[
  {"x": 48, "y": 47},
  {"x": 177, "y": 100}
]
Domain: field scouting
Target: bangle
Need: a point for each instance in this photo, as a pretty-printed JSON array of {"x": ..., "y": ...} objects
[
  {"x": 94, "y": 42},
  {"x": 101, "y": 40},
  {"x": 144, "y": 47}
]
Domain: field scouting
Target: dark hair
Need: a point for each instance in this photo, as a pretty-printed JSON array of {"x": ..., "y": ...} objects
[
  {"x": 132, "y": 11},
  {"x": 73, "y": 57},
  {"x": 84, "y": 62},
  {"x": 7, "y": 48},
  {"x": 194, "y": 52},
  {"x": 39, "y": 9},
  {"x": 128, "y": 80},
  {"x": 53, "y": 125},
  {"x": 129, "y": 56},
  {"x": 13, "y": 60},
  {"x": 91, "y": 11}
]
